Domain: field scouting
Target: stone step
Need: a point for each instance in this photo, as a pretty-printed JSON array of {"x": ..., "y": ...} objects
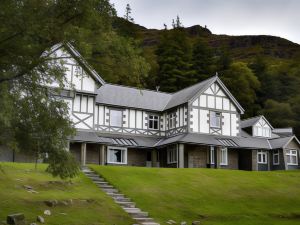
[
  {"x": 138, "y": 214},
  {"x": 121, "y": 199},
  {"x": 133, "y": 210},
  {"x": 105, "y": 186},
  {"x": 110, "y": 190},
  {"x": 97, "y": 179},
  {"x": 101, "y": 182},
  {"x": 143, "y": 219},
  {"x": 126, "y": 204},
  {"x": 116, "y": 195},
  {"x": 149, "y": 223}
]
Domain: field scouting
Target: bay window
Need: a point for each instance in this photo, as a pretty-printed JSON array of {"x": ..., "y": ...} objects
[
  {"x": 224, "y": 156},
  {"x": 212, "y": 155},
  {"x": 117, "y": 155},
  {"x": 276, "y": 157},
  {"x": 172, "y": 154},
  {"x": 262, "y": 157},
  {"x": 291, "y": 157}
]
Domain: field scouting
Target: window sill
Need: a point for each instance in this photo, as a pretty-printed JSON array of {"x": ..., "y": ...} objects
[
  {"x": 265, "y": 163},
  {"x": 223, "y": 164},
  {"x": 292, "y": 164}
]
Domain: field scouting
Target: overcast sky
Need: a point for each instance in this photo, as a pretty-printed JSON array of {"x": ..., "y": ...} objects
[{"x": 232, "y": 17}]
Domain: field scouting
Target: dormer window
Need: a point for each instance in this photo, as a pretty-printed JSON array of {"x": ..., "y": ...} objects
[
  {"x": 215, "y": 119},
  {"x": 259, "y": 131}
]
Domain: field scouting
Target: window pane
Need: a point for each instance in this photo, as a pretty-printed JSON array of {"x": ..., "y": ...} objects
[
  {"x": 77, "y": 103},
  {"x": 116, "y": 118},
  {"x": 83, "y": 104}
]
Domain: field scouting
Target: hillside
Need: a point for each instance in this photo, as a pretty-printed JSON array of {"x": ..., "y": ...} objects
[
  {"x": 80, "y": 202},
  {"x": 211, "y": 196},
  {"x": 243, "y": 47}
]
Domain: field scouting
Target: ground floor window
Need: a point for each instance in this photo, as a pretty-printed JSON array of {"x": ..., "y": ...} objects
[
  {"x": 116, "y": 155},
  {"x": 224, "y": 156},
  {"x": 172, "y": 154},
  {"x": 291, "y": 157},
  {"x": 276, "y": 157},
  {"x": 212, "y": 155},
  {"x": 262, "y": 157}
]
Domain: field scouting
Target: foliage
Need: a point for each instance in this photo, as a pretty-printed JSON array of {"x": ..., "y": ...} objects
[
  {"x": 240, "y": 77},
  {"x": 128, "y": 12},
  {"x": 174, "y": 60},
  {"x": 212, "y": 196},
  {"x": 32, "y": 120},
  {"x": 90, "y": 205}
]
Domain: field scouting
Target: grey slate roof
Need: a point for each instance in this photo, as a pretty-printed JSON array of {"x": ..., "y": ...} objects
[
  {"x": 250, "y": 122},
  {"x": 186, "y": 94},
  {"x": 140, "y": 141},
  {"x": 132, "y": 97},
  {"x": 85, "y": 136},
  {"x": 281, "y": 142},
  {"x": 118, "y": 95},
  {"x": 205, "y": 139}
]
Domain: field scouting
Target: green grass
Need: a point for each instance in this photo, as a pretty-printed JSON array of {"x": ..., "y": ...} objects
[
  {"x": 212, "y": 196},
  {"x": 99, "y": 209}
]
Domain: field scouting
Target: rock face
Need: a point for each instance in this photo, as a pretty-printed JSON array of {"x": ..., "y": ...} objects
[{"x": 16, "y": 219}]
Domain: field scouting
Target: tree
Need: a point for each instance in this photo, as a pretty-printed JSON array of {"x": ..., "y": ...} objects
[
  {"x": 240, "y": 77},
  {"x": 31, "y": 119},
  {"x": 128, "y": 12},
  {"x": 203, "y": 60},
  {"x": 174, "y": 61}
]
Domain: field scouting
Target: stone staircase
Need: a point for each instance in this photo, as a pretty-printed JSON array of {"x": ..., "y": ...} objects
[{"x": 128, "y": 206}]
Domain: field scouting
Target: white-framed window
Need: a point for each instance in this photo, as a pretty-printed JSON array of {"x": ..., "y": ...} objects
[
  {"x": 172, "y": 154},
  {"x": 215, "y": 119},
  {"x": 262, "y": 157},
  {"x": 153, "y": 122},
  {"x": 115, "y": 117},
  {"x": 83, "y": 104},
  {"x": 292, "y": 157},
  {"x": 212, "y": 155},
  {"x": 224, "y": 156},
  {"x": 172, "y": 120},
  {"x": 276, "y": 157},
  {"x": 116, "y": 155},
  {"x": 261, "y": 131}
]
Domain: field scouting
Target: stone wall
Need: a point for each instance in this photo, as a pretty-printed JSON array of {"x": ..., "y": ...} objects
[
  {"x": 136, "y": 157},
  {"x": 197, "y": 156}
]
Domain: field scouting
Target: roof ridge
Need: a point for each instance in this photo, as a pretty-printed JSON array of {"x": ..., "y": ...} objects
[
  {"x": 142, "y": 89},
  {"x": 251, "y": 118},
  {"x": 215, "y": 76}
]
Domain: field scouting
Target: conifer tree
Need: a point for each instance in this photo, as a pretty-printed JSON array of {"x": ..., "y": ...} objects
[
  {"x": 128, "y": 12},
  {"x": 174, "y": 60},
  {"x": 203, "y": 60}
]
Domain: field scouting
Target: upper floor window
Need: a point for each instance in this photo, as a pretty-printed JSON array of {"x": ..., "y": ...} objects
[
  {"x": 224, "y": 156},
  {"x": 261, "y": 131},
  {"x": 262, "y": 157},
  {"x": 83, "y": 103},
  {"x": 115, "y": 117},
  {"x": 215, "y": 119},
  {"x": 291, "y": 157},
  {"x": 153, "y": 122},
  {"x": 172, "y": 120}
]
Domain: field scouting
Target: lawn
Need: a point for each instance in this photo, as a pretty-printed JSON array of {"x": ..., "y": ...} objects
[
  {"x": 212, "y": 196},
  {"x": 89, "y": 204}
]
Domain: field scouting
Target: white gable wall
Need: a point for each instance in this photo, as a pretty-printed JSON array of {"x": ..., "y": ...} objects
[
  {"x": 214, "y": 99},
  {"x": 75, "y": 75},
  {"x": 261, "y": 129}
]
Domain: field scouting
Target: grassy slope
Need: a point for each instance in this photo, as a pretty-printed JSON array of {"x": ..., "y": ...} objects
[
  {"x": 15, "y": 199},
  {"x": 211, "y": 196}
]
